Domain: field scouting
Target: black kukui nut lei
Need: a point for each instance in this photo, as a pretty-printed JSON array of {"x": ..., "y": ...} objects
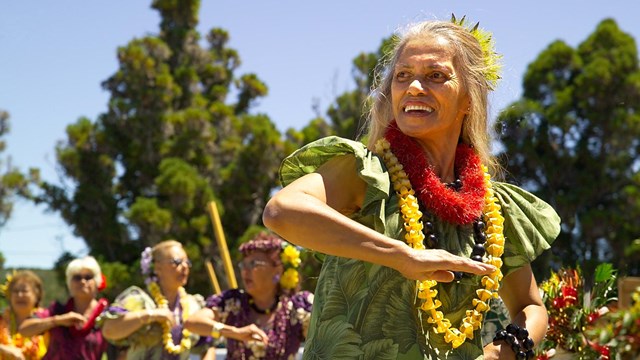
[{"x": 518, "y": 340}]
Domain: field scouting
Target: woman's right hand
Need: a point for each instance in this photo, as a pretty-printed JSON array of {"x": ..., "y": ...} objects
[
  {"x": 161, "y": 315},
  {"x": 9, "y": 352},
  {"x": 69, "y": 319},
  {"x": 250, "y": 333},
  {"x": 438, "y": 265}
]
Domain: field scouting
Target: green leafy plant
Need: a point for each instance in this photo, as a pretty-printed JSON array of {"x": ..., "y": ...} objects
[
  {"x": 573, "y": 308},
  {"x": 619, "y": 332}
]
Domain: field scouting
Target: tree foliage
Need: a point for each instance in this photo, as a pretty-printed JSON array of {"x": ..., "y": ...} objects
[
  {"x": 172, "y": 139},
  {"x": 574, "y": 140},
  {"x": 346, "y": 114},
  {"x": 11, "y": 181}
]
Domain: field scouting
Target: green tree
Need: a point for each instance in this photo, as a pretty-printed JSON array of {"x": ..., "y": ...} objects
[
  {"x": 344, "y": 117},
  {"x": 346, "y": 114},
  {"x": 170, "y": 142},
  {"x": 574, "y": 140},
  {"x": 10, "y": 178},
  {"x": 12, "y": 181}
]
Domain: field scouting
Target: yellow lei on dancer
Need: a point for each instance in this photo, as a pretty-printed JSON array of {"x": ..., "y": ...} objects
[
  {"x": 32, "y": 348},
  {"x": 411, "y": 214},
  {"x": 167, "y": 340}
]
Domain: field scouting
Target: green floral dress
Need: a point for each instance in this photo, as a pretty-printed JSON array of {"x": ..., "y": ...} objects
[{"x": 367, "y": 311}]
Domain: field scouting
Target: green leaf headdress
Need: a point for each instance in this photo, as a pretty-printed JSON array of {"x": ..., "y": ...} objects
[{"x": 491, "y": 57}]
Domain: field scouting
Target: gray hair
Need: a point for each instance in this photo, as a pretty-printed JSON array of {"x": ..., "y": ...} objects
[{"x": 469, "y": 62}]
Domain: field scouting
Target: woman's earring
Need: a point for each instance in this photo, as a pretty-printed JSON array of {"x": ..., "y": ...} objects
[{"x": 276, "y": 278}]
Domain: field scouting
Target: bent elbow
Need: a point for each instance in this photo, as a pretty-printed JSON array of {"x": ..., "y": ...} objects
[
  {"x": 108, "y": 332},
  {"x": 272, "y": 216}
]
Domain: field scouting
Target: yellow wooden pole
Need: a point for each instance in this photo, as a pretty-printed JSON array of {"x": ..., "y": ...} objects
[
  {"x": 212, "y": 277},
  {"x": 222, "y": 245}
]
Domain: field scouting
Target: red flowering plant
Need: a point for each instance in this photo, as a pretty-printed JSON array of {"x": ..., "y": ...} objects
[
  {"x": 573, "y": 309},
  {"x": 619, "y": 332}
]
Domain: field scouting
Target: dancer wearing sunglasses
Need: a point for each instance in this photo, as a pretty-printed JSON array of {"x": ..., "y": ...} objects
[
  {"x": 151, "y": 324},
  {"x": 269, "y": 318},
  {"x": 71, "y": 326}
]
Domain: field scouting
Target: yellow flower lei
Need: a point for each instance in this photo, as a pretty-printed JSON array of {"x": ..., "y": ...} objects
[
  {"x": 161, "y": 301},
  {"x": 31, "y": 347},
  {"x": 411, "y": 214}
]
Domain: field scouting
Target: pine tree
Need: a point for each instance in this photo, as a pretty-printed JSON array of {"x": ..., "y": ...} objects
[
  {"x": 573, "y": 139},
  {"x": 170, "y": 142}
]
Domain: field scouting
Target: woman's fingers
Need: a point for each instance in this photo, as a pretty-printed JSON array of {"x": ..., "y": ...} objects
[
  {"x": 447, "y": 261},
  {"x": 440, "y": 276},
  {"x": 470, "y": 266},
  {"x": 166, "y": 315},
  {"x": 72, "y": 319},
  {"x": 439, "y": 265},
  {"x": 258, "y": 335}
]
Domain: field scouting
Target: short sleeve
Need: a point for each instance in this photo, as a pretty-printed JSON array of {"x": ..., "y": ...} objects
[
  {"x": 132, "y": 299},
  {"x": 230, "y": 302},
  {"x": 41, "y": 313},
  {"x": 370, "y": 168},
  {"x": 531, "y": 225}
]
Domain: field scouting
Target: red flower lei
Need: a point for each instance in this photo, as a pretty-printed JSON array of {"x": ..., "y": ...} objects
[
  {"x": 457, "y": 207},
  {"x": 91, "y": 321}
]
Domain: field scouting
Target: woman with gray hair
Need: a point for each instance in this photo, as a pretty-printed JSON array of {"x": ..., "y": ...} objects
[
  {"x": 71, "y": 326},
  {"x": 418, "y": 237}
]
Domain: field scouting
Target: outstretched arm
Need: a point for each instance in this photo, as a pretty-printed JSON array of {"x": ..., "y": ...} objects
[
  {"x": 130, "y": 322},
  {"x": 37, "y": 326},
  {"x": 313, "y": 212},
  {"x": 203, "y": 323},
  {"x": 10, "y": 352}
]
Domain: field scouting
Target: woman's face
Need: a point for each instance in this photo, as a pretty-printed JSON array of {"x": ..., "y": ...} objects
[
  {"x": 23, "y": 297},
  {"x": 83, "y": 284},
  {"x": 427, "y": 95},
  {"x": 172, "y": 267},
  {"x": 259, "y": 273}
]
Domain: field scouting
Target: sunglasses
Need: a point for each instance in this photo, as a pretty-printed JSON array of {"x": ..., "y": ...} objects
[
  {"x": 177, "y": 262},
  {"x": 250, "y": 265},
  {"x": 79, "y": 277}
]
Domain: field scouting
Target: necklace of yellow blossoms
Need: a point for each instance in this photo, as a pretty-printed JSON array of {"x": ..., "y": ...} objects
[
  {"x": 411, "y": 214},
  {"x": 161, "y": 301}
]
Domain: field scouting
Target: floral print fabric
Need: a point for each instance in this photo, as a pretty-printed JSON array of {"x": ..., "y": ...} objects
[
  {"x": 367, "y": 311},
  {"x": 285, "y": 335}
]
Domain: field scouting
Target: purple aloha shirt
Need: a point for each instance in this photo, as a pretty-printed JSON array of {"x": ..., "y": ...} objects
[{"x": 285, "y": 334}]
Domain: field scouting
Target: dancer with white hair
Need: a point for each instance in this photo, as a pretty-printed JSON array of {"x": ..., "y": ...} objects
[{"x": 71, "y": 326}]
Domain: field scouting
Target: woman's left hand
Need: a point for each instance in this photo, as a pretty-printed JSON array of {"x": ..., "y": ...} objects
[
  {"x": 498, "y": 352},
  {"x": 69, "y": 319},
  {"x": 250, "y": 333}
]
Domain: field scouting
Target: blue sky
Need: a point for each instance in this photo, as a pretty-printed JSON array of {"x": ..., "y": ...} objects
[{"x": 56, "y": 54}]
